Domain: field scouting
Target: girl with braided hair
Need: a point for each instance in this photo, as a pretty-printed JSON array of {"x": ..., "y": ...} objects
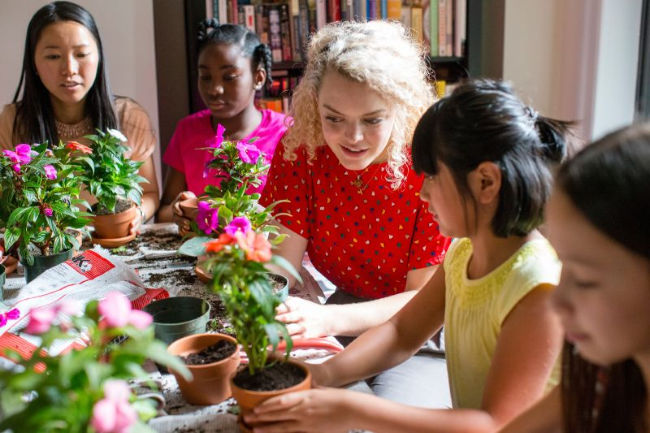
[{"x": 232, "y": 65}]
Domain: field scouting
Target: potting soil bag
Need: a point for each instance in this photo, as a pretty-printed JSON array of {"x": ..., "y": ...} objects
[{"x": 83, "y": 278}]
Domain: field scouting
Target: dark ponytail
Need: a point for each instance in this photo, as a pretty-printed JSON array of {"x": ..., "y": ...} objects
[
  {"x": 483, "y": 120},
  {"x": 211, "y": 32}
]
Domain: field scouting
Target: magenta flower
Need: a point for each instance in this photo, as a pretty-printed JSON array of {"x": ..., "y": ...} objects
[
  {"x": 215, "y": 142},
  {"x": 248, "y": 152},
  {"x": 113, "y": 413},
  {"x": 12, "y": 314},
  {"x": 238, "y": 224},
  {"x": 16, "y": 168},
  {"x": 21, "y": 155},
  {"x": 47, "y": 211},
  {"x": 207, "y": 218},
  {"x": 40, "y": 320},
  {"x": 50, "y": 172}
]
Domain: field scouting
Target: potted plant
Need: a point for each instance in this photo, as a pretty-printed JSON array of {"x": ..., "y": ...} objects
[
  {"x": 113, "y": 180},
  {"x": 237, "y": 260},
  {"x": 82, "y": 389},
  {"x": 238, "y": 166},
  {"x": 212, "y": 359},
  {"x": 39, "y": 205}
]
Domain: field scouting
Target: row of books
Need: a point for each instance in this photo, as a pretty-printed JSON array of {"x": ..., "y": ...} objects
[{"x": 285, "y": 25}]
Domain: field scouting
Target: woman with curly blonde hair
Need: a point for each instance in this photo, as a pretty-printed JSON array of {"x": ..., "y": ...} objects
[{"x": 351, "y": 196}]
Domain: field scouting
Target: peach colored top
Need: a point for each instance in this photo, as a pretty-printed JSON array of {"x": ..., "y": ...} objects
[{"x": 133, "y": 121}]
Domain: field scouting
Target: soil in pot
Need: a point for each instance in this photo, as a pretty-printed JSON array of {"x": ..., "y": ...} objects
[
  {"x": 274, "y": 377},
  {"x": 120, "y": 206},
  {"x": 216, "y": 352},
  {"x": 278, "y": 282}
]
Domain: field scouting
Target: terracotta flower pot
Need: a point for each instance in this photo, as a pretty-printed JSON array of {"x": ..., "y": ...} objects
[
  {"x": 114, "y": 225},
  {"x": 248, "y": 399},
  {"x": 210, "y": 383},
  {"x": 190, "y": 207}
]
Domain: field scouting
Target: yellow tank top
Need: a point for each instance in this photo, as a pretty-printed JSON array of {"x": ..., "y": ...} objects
[{"x": 476, "y": 309}]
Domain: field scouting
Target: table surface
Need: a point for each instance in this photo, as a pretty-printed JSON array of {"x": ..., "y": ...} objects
[{"x": 153, "y": 255}]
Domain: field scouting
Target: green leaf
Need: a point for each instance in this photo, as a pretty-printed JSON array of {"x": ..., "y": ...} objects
[
  {"x": 194, "y": 247},
  {"x": 285, "y": 264}
]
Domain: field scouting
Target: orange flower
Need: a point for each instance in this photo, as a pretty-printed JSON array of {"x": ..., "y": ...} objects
[
  {"x": 74, "y": 145},
  {"x": 257, "y": 247},
  {"x": 216, "y": 245}
]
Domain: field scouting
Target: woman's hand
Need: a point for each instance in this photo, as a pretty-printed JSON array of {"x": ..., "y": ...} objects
[
  {"x": 178, "y": 216},
  {"x": 315, "y": 410},
  {"x": 304, "y": 319}
]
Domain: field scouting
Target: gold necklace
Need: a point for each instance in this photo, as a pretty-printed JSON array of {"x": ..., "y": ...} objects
[
  {"x": 77, "y": 130},
  {"x": 359, "y": 183}
]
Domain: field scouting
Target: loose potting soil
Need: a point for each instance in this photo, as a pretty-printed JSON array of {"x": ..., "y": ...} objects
[
  {"x": 222, "y": 349},
  {"x": 280, "y": 375}
]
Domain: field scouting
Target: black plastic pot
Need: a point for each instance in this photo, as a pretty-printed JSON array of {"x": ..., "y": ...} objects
[
  {"x": 43, "y": 263},
  {"x": 178, "y": 317}
]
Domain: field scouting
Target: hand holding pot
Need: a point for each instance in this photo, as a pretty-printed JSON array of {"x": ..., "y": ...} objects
[
  {"x": 304, "y": 319},
  {"x": 182, "y": 215},
  {"x": 134, "y": 227},
  {"x": 315, "y": 410}
]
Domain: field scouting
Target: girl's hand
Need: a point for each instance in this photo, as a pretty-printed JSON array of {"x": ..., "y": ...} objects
[
  {"x": 315, "y": 410},
  {"x": 134, "y": 227},
  {"x": 178, "y": 216},
  {"x": 304, "y": 319}
]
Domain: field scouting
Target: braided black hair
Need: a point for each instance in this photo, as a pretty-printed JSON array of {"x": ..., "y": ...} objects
[{"x": 211, "y": 32}]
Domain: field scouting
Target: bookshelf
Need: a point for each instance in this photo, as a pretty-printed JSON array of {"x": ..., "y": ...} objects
[{"x": 448, "y": 29}]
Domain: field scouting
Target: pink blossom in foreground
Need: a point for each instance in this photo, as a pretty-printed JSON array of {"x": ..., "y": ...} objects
[
  {"x": 47, "y": 211},
  {"x": 117, "y": 312},
  {"x": 114, "y": 414},
  {"x": 40, "y": 320}
]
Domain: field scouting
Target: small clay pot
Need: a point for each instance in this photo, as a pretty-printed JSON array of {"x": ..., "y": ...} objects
[
  {"x": 248, "y": 399},
  {"x": 114, "y": 226},
  {"x": 210, "y": 383},
  {"x": 190, "y": 207}
]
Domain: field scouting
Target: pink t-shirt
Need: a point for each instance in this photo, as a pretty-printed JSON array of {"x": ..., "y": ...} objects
[{"x": 192, "y": 132}]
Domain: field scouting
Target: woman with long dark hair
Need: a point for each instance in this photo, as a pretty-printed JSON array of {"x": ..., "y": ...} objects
[
  {"x": 64, "y": 94},
  {"x": 599, "y": 223}
]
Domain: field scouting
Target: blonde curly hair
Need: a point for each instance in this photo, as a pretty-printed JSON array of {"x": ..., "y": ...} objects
[{"x": 378, "y": 53}]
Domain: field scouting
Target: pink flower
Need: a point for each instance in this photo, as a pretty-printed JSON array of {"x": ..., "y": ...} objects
[
  {"x": 115, "y": 308},
  {"x": 215, "y": 142},
  {"x": 50, "y": 172},
  {"x": 22, "y": 154},
  {"x": 114, "y": 414},
  {"x": 238, "y": 224},
  {"x": 40, "y": 320},
  {"x": 207, "y": 218},
  {"x": 140, "y": 319},
  {"x": 16, "y": 168},
  {"x": 117, "y": 312},
  {"x": 248, "y": 153},
  {"x": 257, "y": 247},
  {"x": 47, "y": 211}
]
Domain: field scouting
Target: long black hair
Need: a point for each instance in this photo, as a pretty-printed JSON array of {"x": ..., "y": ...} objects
[
  {"x": 34, "y": 121},
  {"x": 483, "y": 120},
  {"x": 211, "y": 32},
  {"x": 608, "y": 183}
]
